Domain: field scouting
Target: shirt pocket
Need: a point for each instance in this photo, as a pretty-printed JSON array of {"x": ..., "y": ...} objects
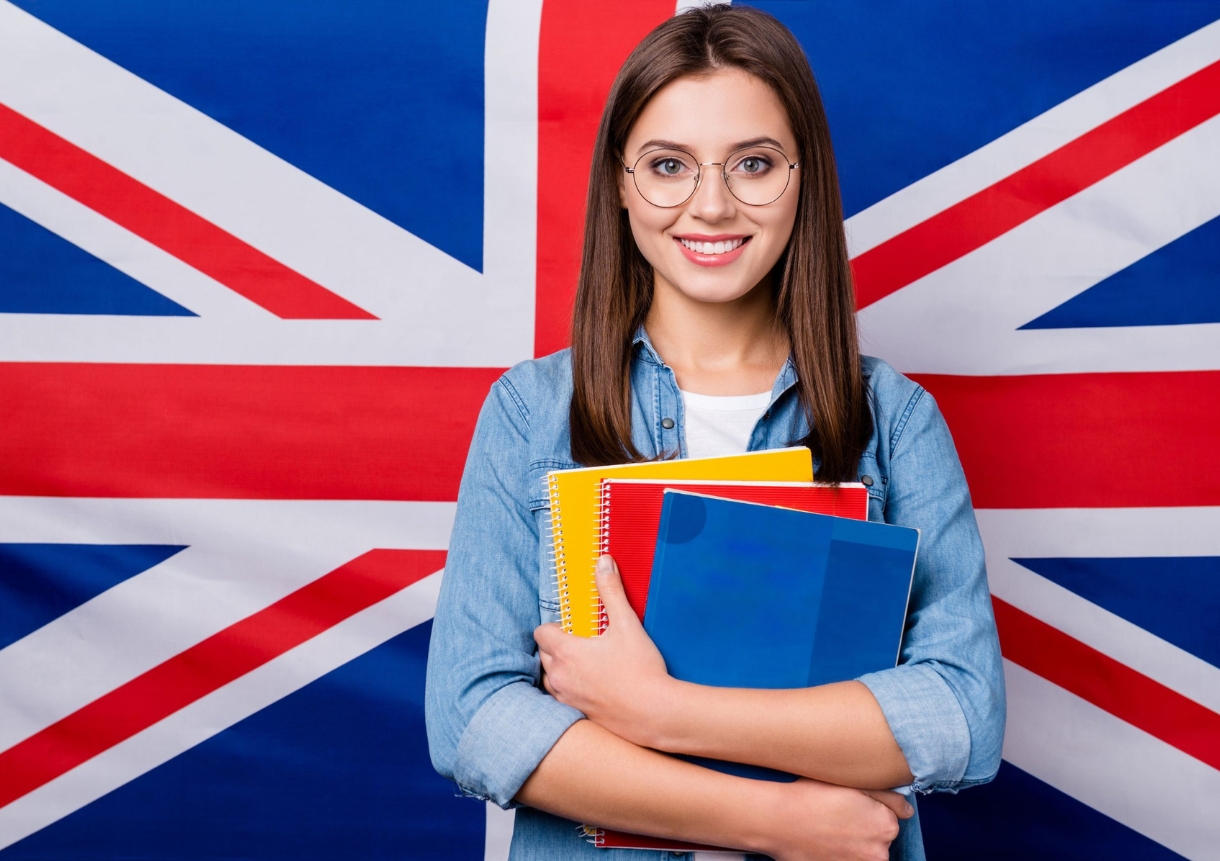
[
  {"x": 876, "y": 483},
  {"x": 540, "y": 508}
]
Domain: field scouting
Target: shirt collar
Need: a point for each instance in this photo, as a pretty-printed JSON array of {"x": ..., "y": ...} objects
[
  {"x": 643, "y": 346},
  {"x": 644, "y": 349}
]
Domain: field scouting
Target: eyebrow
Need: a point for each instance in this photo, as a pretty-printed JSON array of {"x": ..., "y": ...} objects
[{"x": 657, "y": 143}]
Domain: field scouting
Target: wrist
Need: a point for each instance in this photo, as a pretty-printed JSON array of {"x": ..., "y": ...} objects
[
  {"x": 756, "y": 815},
  {"x": 661, "y": 711}
]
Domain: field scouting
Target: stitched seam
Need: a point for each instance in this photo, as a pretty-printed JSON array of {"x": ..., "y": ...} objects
[
  {"x": 643, "y": 351},
  {"x": 512, "y": 393},
  {"x": 920, "y": 391},
  {"x": 658, "y": 435},
  {"x": 554, "y": 464}
]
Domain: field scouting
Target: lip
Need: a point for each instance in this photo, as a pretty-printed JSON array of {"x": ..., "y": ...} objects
[
  {"x": 711, "y": 237},
  {"x": 712, "y": 259}
]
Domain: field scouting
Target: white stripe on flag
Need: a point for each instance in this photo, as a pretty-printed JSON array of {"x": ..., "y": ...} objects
[
  {"x": 1031, "y": 141},
  {"x": 243, "y": 556},
  {"x": 1103, "y": 533},
  {"x": 216, "y": 712},
  {"x": 963, "y": 318},
  {"x": 433, "y": 310},
  {"x": 123, "y": 250},
  {"x": 1110, "y": 765}
]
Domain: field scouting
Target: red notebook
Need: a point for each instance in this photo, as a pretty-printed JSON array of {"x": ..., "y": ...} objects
[
  {"x": 627, "y": 530},
  {"x": 631, "y": 516}
]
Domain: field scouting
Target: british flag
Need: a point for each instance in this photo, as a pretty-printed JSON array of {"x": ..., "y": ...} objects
[{"x": 260, "y": 262}]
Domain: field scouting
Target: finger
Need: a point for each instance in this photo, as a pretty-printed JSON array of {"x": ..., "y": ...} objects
[
  {"x": 548, "y": 636},
  {"x": 614, "y": 597},
  {"x": 894, "y": 801}
]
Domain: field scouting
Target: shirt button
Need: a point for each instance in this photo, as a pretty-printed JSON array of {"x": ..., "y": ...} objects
[
  {"x": 667, "y": 423},
  {"x": 866, "y": 480}
]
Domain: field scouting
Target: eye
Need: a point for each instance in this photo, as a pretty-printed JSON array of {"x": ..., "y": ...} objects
[
  {"x": 669, "y": 167},
  {"x": 752, "y": 165}
]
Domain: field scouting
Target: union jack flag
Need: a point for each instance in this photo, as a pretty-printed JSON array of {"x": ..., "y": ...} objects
[{"x": 260, "y": 262}]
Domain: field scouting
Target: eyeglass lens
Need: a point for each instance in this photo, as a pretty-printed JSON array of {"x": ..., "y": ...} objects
[{"x": 756, "y": 176}]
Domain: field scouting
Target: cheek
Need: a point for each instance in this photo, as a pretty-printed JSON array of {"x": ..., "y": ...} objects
[
  {"x": 778, "y": 227},
  {"x": 648, "y": 227}
]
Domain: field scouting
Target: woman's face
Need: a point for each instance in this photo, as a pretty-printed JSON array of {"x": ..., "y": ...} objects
[{"x": 711, "y": 117}]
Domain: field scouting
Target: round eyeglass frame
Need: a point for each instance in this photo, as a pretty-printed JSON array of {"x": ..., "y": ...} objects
[{"x": 792, "y": 165}]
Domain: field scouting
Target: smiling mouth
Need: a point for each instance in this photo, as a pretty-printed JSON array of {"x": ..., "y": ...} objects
[{"x": 722, "y": 247}]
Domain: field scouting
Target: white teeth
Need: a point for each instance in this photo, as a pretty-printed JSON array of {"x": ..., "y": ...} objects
[{"x": 713, "y": 247}]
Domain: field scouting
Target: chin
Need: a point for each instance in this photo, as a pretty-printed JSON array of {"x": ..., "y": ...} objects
[{"x": 714, "y": 293}]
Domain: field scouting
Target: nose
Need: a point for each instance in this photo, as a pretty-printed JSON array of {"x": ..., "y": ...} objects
[{"x": 712, "y": 200}]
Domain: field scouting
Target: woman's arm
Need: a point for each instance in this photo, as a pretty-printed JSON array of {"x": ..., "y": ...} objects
[
  {"x": 835, "y": 733},
  {"x": 489, "y": 725},
  {"x": 595, "y": 776},
  {"x": 499, "y": 737},
  {"x": 936, "y": 720}
]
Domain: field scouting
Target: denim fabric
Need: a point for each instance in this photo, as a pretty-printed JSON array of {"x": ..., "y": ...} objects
[{"x": 489, "y": 724}]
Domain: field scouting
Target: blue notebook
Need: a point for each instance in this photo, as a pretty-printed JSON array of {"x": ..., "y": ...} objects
[{"x": 752, "y": 596}]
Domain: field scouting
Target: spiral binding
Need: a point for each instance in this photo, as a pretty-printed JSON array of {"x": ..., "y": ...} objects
[
  {"x": 601, "y": 545},
  {"x": 558, "y": 557},
  {"x": 593, "y": 834}
]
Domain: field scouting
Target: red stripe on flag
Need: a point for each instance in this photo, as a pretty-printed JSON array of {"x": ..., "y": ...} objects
[
  {"x": 172, "y": 228},
  {"x": 237, "y": 432},
  {"x": 1085, "y": 440},
  {"x": 1107, "y": 684},
  {"x": 209, "y": 665},
  {"x": 580, "y": 50},
  {"x": 980, "y": 218}
]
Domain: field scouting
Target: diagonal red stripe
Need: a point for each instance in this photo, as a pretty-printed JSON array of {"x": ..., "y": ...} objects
[
  {"x": 980, "y": 218},
  {"x": 237, "y": 432},
  {"x": 1085, "y": 440},
  {"x": 209, "y": 665},
  {"x": 167, "y": 225},
  {"x": 1108, "y": 684}
]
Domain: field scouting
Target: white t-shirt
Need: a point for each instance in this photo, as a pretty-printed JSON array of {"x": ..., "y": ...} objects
[{"x": 719, "y": 425}]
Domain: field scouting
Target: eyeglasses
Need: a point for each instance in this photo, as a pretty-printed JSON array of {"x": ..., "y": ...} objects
[{"x": 755, "y": 175}]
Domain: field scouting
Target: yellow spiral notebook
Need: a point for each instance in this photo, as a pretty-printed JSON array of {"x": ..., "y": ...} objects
[{"x": 576, "y": 507}]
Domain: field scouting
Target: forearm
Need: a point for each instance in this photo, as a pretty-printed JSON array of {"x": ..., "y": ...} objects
[
  {"x": 593, "y": 776},
  {"x": 836, "y": 733}
]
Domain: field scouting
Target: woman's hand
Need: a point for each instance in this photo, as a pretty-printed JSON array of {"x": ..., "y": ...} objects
[
  {"x": 813, "y": 820},
  {"x": 614, "y": 678}
]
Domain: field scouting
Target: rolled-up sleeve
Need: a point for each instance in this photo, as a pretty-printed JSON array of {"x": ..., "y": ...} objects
[
  {"x": 945, "y": 700},
  {"x": 489, "y": 725}
]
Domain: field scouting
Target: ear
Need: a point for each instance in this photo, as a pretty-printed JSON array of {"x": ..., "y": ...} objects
[{"x": 622, "y": 187}]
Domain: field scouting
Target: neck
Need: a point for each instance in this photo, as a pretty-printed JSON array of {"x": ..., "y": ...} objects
[{"x": 718, "y": 348}]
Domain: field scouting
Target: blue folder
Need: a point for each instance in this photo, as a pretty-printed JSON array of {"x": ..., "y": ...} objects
[{"x": 751, "y": 596}]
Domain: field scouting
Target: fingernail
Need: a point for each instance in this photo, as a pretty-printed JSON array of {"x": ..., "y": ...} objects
[
  {"x": 909, "y": 810},
  {"x": 604, "y": 565}
]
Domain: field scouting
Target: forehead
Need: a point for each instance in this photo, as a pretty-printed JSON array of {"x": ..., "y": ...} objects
[{"x": 710, "y": 113}]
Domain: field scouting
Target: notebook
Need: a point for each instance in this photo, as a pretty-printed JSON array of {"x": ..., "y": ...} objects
[
  {"x": 575, "y": 508},
  {"x": 631, "y": 516},
  {"x": 749, "y": 595}
]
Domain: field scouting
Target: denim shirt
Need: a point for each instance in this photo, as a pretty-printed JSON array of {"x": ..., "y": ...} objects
[{"x": 489, "y": 722}]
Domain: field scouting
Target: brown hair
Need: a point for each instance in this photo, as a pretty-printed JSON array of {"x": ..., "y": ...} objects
[{"x": 814, "y": 297}]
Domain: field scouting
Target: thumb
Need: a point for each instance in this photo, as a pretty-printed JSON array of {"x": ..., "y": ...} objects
[
  {"x": 614, "y": 597},
  {"x": 893, "y": 800}
]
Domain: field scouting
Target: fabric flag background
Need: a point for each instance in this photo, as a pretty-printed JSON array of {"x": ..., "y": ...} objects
[{"x": 260, "y": 262}]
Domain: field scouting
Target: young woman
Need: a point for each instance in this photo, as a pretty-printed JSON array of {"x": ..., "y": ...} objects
[{"x": 714, "y": 315}]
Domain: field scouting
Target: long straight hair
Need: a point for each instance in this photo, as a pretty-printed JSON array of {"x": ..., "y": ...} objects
[{"x": 814, "y": 299}]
